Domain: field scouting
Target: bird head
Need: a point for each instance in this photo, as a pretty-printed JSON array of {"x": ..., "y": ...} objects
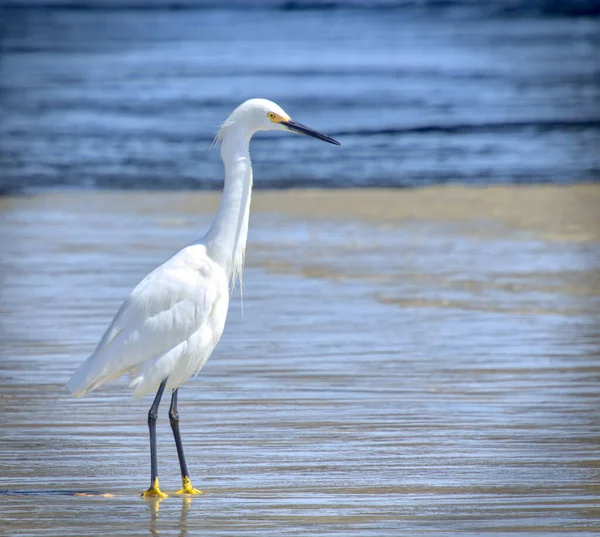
[{"x": 264, "y": 115}]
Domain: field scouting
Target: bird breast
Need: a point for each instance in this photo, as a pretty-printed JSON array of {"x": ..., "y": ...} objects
[{"x": 212, "y": 297}]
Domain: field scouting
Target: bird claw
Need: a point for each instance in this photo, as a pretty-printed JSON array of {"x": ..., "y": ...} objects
[
  {"x": 191, "y": 490},
  {"x": 188, "y": 488},
  {"x": 154, "y": 491}
]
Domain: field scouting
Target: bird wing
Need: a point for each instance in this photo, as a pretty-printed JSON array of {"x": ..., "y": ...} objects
[{"x": 165, "y": 308}]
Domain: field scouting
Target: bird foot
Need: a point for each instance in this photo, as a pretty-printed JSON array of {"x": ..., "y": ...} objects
[
  {"x": 187, "y": 487},
  {"x": 154, "y": 491}
]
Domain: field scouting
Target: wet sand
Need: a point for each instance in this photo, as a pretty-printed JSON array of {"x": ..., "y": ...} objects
[{"x": 407, "y": 362}]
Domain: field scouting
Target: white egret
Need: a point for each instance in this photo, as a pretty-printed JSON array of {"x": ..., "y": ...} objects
[{"x": 169, "y": 325}]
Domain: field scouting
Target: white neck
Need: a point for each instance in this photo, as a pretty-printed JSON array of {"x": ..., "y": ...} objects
[{"x": 226, "y": 239}]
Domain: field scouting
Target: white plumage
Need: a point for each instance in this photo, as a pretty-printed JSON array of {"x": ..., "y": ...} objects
[
  {"x": 171, "y": 322},
  {"x": 167, "y": 327}
]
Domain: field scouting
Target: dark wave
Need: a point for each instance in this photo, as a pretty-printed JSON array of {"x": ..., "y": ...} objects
[
  {"x": 561, "y": 8},
  {"x": 450, "y": 129},
  {"x": 406, "y": 181},
  {"x": 467, "y": 128}
]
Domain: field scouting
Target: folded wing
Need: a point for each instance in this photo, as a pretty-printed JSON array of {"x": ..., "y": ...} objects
[{"x": 165, "y": 309}]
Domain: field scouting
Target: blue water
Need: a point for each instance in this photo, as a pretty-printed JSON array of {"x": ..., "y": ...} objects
[{"x": 418, "y": 93}]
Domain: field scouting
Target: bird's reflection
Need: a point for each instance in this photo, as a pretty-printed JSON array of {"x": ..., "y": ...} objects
[
  {"x": 186, "y": 502},
  {"x": 154, "y": 505}
]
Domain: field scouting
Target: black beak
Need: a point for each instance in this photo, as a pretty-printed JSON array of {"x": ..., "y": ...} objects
[{"x": 303, "y": 129}]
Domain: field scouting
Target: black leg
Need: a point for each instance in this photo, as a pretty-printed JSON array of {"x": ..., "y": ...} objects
[
  {"x": 174, "y": 419},
  {"x": 185, "y": 476},
  {"x": 154, "y": 489}
]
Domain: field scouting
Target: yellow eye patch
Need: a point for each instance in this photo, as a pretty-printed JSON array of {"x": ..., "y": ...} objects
[{"x": 276, "y": 118}]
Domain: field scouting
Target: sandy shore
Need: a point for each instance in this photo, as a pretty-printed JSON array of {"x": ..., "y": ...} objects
[
  {"x": 552, "y": 212},
  {"x": 571, "y": 213}
]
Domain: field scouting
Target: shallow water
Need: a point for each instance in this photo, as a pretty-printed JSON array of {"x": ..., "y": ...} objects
[{"x": 416, "y": 378}]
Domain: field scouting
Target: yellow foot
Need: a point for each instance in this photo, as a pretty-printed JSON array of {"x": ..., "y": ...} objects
[
  {"x": 187, "y": 487},
  {"x": 154, "y": 491}
]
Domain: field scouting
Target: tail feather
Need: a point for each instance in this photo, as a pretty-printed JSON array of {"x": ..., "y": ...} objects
[
  {"x": 87, "y": 378},
  {"x": 91, "y": 374}
]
